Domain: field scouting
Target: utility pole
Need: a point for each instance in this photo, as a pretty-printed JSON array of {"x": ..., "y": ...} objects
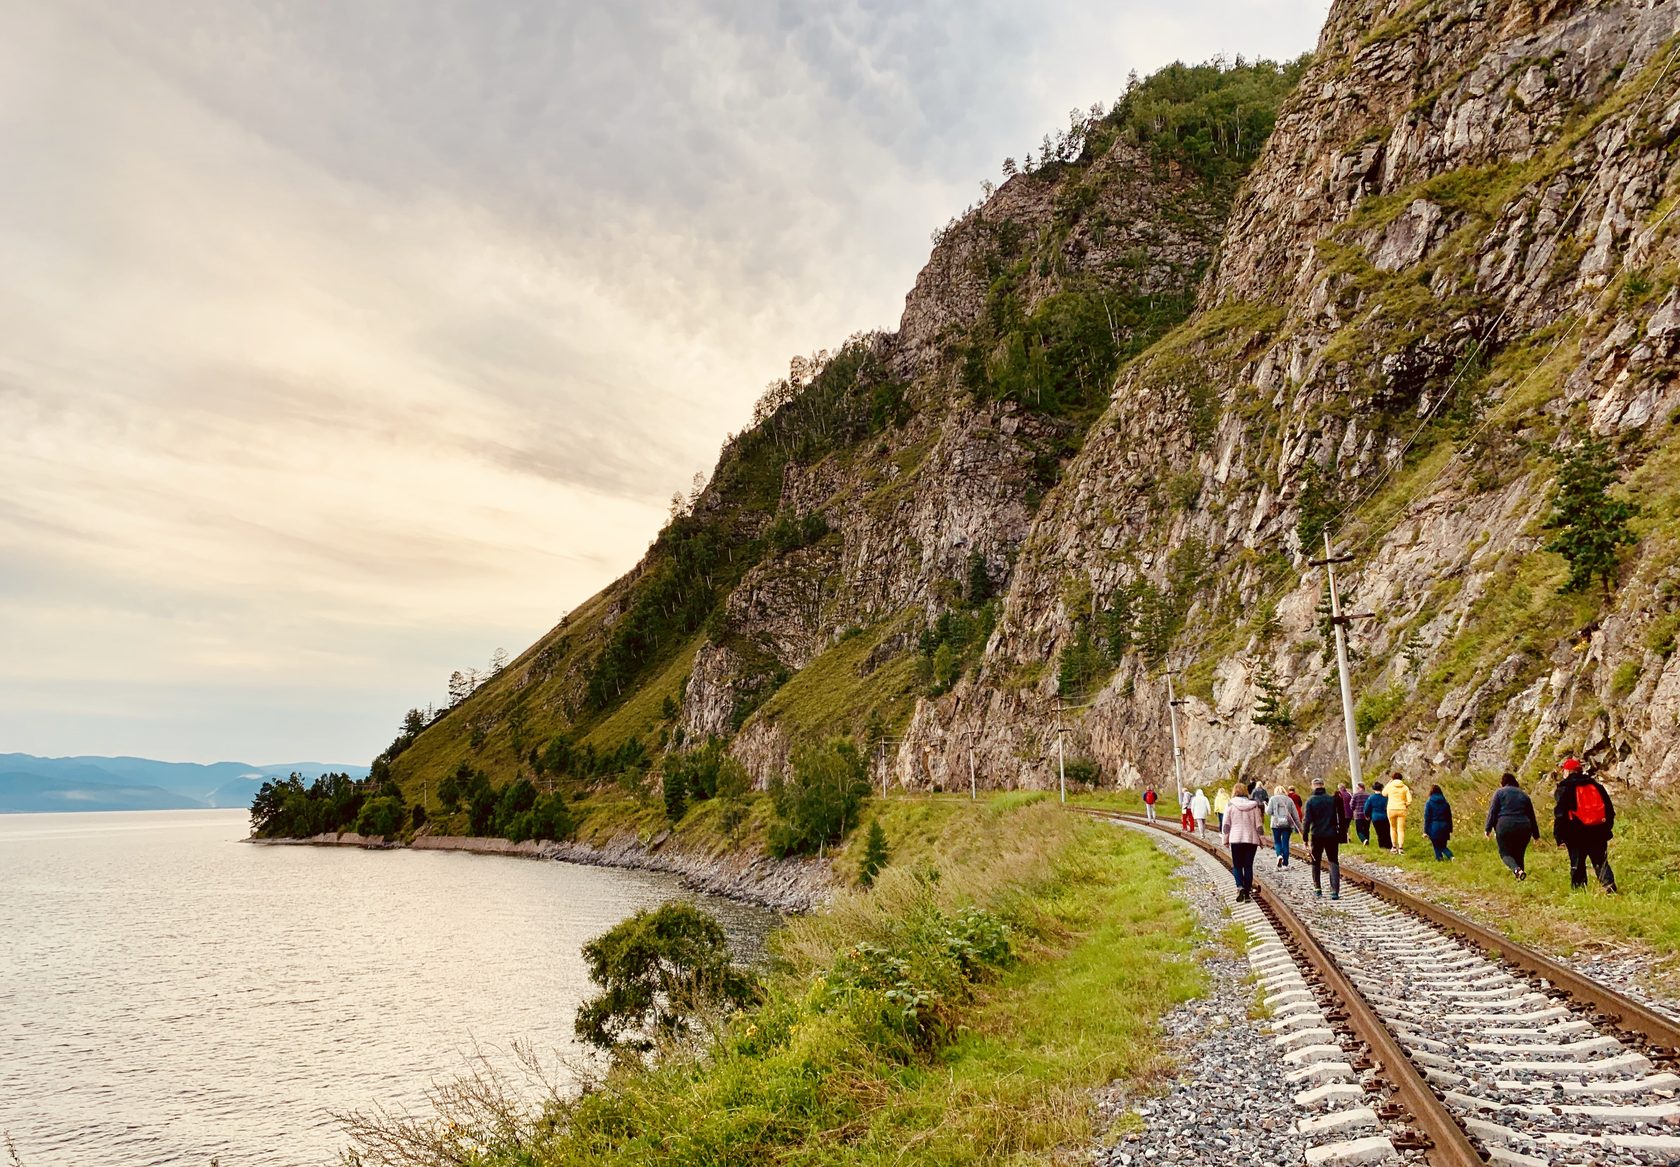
[
  {"x": 1061, "y": 762},
  {"x": 1339, "y": 623},
  {"x": 1173, "y": 702},
  {"x": 973, "y": 789}
]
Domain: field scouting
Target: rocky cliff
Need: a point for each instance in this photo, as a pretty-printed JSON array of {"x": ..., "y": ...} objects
[{"x": 1129, "y": 392}]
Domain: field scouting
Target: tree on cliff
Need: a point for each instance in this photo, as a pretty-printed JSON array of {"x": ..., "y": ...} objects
[{"x": 1591, "y": 526}]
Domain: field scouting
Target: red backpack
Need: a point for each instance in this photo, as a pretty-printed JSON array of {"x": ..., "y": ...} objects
[{"x": 1589, "y": 806}]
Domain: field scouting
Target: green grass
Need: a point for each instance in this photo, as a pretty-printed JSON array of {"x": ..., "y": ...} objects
[
  {"x": 832, "y": 695},
  {"x": 1542, "y": 911},
  {"x": 812, "y": 1077},
  {"x": 641, "y": 714}
]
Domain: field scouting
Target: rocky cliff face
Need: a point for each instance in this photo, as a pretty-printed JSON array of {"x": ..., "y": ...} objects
[{"x": 1454, "y": 257}]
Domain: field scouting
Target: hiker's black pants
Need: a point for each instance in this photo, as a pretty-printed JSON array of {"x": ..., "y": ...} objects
[
  {"x": 1594, "y": 851},
  {"x": 1330, "y": 849},
  {"x": 1512, "y": 841},
  {"x": 1242, "y": 864}
]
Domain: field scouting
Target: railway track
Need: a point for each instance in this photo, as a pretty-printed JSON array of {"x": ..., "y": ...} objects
[{"x": 1419, "y": 1033}]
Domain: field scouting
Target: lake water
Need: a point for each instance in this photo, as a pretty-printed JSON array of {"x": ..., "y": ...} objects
[{"x": 169, "y": 994}]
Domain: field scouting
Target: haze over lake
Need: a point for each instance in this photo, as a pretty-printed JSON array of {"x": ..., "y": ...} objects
[{"x": 169, "y": 994}]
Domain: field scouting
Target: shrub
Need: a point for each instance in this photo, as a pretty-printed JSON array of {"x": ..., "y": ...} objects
[
  {"x": 380, "y": 818},
  {"x": 1660, "y": 638},
  {"x": 1375, "y": 708},
  {"x": 790, "y": 533},
  {"x": 874, "y": 854},
  {"x": 1625, "y": 678},
  {"x": 818, "y": 803},
  {"x": 913, "y": 982},
  {"x": 1080, "y": 771},
  {"x": 658, "y": 971}
]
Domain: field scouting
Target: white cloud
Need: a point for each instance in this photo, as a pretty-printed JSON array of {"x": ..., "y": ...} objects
[{"x": 340, "y": 343}]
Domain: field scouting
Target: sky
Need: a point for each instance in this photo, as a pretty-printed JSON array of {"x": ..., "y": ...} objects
[{"x": 342, "y": 342}]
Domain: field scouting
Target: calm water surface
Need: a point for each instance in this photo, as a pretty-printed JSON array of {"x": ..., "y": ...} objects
[{"x": 169, "y": 994}]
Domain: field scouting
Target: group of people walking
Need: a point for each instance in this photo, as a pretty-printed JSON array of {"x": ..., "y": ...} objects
[{"x": 1582, "y": 821}]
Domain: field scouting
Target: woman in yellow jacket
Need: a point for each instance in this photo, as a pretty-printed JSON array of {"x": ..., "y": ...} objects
[
  {"x": 1399, "y": 802},
  {"x": 1221, "y": 801}
]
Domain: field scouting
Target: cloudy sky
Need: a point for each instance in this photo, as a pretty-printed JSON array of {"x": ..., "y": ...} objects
[{"x": 344, "y": 341}]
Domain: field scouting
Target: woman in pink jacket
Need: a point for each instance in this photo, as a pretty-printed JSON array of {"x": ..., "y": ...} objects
[{"x": 1243, "y": 826}]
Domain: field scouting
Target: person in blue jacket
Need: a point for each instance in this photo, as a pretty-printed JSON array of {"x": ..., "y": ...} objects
[
  {"x": 1437, "y": 823},
  {"x": 1376, "y": 810}
]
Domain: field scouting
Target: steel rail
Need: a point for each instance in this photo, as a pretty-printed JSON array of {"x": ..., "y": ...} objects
[
  {"x": 1655, "y": 1030},
  {"x": 1448, "y": 1145},
  {"x": 1658, "y": 1033}
]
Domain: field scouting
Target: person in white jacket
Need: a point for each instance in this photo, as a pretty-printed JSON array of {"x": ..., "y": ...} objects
[{"x": 1200, "y": 808}]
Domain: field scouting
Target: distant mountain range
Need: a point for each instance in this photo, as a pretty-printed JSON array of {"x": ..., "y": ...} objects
[{"x": 29, "y": 783}]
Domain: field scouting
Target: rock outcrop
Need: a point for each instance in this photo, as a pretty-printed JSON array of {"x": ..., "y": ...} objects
[{"x": 1454, "y": 258}]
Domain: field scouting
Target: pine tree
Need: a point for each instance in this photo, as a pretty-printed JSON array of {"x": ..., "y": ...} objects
[
  {"x": 1271, "y": 708},
  {"x": 979, "y": 580},
  {"x": 874, "y": 854},
  {"x": 1590, "y": 525},
  {"x": 676, "y": 793}
]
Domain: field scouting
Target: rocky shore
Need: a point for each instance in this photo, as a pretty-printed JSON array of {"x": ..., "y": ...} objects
[{"x": 785, "y": 885}]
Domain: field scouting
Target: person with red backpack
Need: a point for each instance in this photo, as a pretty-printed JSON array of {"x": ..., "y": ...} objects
[
  {"x": 1149, "y": 800},
  {"x": 1583, "y": 820}
]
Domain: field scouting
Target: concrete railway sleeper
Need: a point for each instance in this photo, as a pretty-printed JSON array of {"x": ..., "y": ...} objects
[{"x": 1491, "y": 1061}]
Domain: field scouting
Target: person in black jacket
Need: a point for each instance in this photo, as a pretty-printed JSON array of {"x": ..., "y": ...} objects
[
  {"x": 1583, "y": 820},
  {"x": 1324, "y": 827},
  {"x": 1512, "y": 824},
  {"x": 1438, "y": 822}
]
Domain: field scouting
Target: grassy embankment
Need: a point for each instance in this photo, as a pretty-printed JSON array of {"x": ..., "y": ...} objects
[
  {"x": 997, "y": 1065},
  {"x": 1542, "y": 911}
]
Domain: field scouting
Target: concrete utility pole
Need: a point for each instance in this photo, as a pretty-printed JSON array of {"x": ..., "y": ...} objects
[
  {"x": 1339, "y": 623},
  {"x": 973, "y": 789},
  {"x": 1061, "y": 762},
  {"x": 1173, "y": 702}
]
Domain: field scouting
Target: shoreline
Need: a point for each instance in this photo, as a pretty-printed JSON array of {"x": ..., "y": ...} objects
[{"x": 783, "y": 885}]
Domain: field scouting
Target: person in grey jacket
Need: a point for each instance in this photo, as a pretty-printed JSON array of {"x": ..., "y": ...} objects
[
  {"x": 1512, "y": 823},
  {"x": 1285, "y": 821}
]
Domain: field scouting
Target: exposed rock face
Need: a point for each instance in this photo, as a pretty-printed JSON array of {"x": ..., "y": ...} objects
[
  {"x": 1455, "y": 255},
  {"x": 708, "y": 705},
  {"x": 1458, "y": 174}
]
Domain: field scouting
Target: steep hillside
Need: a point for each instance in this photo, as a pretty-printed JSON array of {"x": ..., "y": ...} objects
[
  {"x": 1131, "y": 392},
  {"x": 1454, "y": 261},
  {"x": 887, "y": 484}
]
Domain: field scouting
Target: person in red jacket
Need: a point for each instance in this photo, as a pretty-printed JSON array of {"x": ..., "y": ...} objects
[
  {"x": 1583, "y": 819},
  {"x": 1150, "y": 798}
]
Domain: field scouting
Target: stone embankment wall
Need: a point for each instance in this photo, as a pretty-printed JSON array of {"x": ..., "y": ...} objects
[{"x": 786, "y": 885}]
